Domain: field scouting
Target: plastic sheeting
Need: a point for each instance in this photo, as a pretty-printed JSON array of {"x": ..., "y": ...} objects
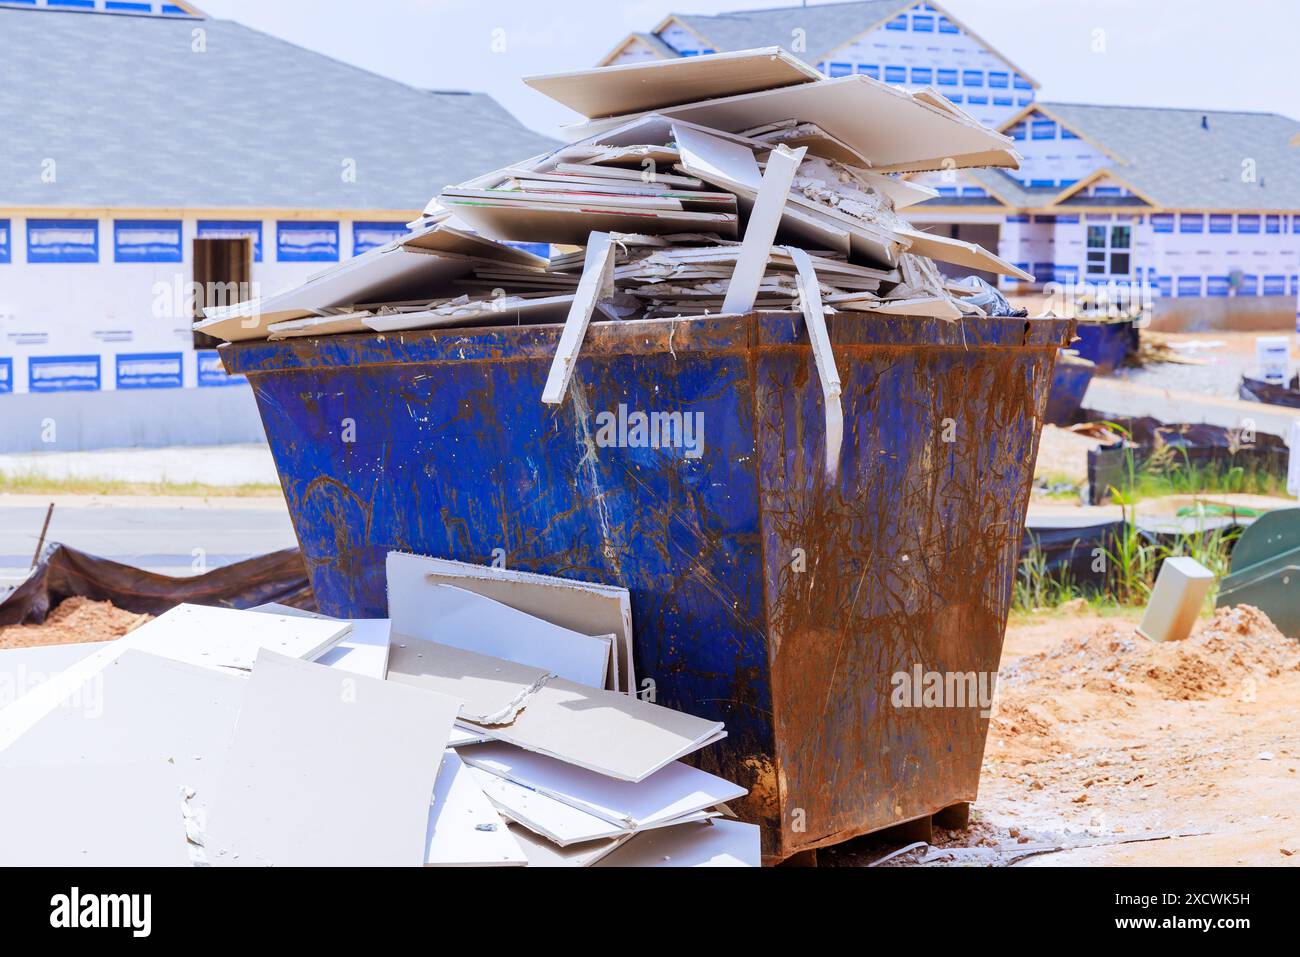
[{"x": 64, "y": 573}]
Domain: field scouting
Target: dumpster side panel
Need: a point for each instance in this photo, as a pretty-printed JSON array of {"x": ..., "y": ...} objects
[
  {"x": 899, "y": 568},
  {"x": 459, "y": 458}
]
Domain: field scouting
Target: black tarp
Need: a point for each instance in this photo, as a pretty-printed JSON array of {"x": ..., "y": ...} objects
[{"x": 64, "y": 573}]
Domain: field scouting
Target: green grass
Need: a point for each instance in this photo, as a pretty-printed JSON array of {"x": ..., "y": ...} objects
[{"x": 36, "y": 484}]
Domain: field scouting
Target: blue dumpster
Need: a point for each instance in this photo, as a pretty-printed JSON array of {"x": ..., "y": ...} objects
[
  {"x": 1070, "y": 383},
  {"x": 1106, "y": 343},
  {"x": 764, "y": 594}
]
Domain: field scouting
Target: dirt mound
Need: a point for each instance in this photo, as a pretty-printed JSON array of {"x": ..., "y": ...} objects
[
  {"x": 75, "y": 621},
  {"x": 1226, "y": 656}
]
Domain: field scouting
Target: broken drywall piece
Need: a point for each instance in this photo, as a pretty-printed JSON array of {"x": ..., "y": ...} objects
[
  {"x": 715, "y": 160},
  {"x": 465, "y": 829},
  {"x": 642, "y": 86},
  {"x": 465, "y": 737},
  {"x": 588, "y": 608},
  {"x": 947, "y": 250},
  {"x": 454, "y": 616},
  {"x": 604, "y": 731},
  {"x": 810, "y": 302},
  {"x": 491, "y": 690},
  {"x": 82, "y": 815},
  {"x": 328, "y": 769},
  {"x": 219, "y": 638},
  {"x": 597, "y": 283},
  {"x": 364, "y": 651},
  {"x": 764, "y": 221},
  {"x": 935, "y": 307},
  {"x": 718, "y": 843},
  {"x": 142, "y": 708},
  {"x": 554, "y": 820},
  {"x": 668, "y": 795},
  {"x": 544, "y": 853}
]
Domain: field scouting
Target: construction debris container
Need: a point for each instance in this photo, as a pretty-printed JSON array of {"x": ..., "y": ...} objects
[{"x": 809, "y": 612}]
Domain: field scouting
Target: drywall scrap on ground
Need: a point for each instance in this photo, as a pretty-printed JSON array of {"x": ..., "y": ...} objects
[{"x": 212, "y": 746}]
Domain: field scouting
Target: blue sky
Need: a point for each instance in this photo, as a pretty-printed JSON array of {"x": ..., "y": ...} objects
[{"x": 1187, "y": 53}]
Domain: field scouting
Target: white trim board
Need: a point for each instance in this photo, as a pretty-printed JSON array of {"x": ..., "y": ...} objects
[
  {"x": 588, "y": 608},
  {"x": 464, "y": 828},
  {"x": 328, "y": 769}
]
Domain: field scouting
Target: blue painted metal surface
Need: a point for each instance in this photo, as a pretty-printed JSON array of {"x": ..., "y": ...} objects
[
  {"x": 1107, "y": 344},
  {"x": 763, "y": 593},
  {"x": 1070, "y": 382}
]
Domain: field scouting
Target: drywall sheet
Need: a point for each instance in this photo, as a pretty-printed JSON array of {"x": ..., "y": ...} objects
[
  {"x": 364, "y": 651},
  {"x": 91, "y": 815},
  {"x": 543, "y": 853},
  {"x": 884, "y": 124},
  {"x": 639, "y": 87},
  {"x": 218, "y": 638},
  {"x": 604, "y": 731},
  {"x": 143, "y": 708},
  {"x": 318, "y": 326},
  {"x": 22, "y": 669},
  {"x": 463, "y": 619},
  {"x": 554, "y": 820},
  {"x": 510, "y": 310},
  {"x": 671, "y": 793},
  {"x": 810, "y": 303},
  {"x": 570, "y": 225},
  {"x": 585, "y": 607},
  {"x": 490, "y": 690},
  {"x": 959, "y": 253},
  {"x": 328, "y": 769},
  {"x": 465, "y": 829},
  {"x": 717, "y": 843},
  {"x": 935, "y": 306}
]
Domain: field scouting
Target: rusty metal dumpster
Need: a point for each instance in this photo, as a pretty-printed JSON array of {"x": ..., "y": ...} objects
[{"x": 795, "y": 607}]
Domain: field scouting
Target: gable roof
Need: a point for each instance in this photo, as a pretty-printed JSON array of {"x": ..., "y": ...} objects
[
  {"x": 134, "y": 119},
  {"x": 826, "y": 27},
  {"x": 1169, "y": 157}
]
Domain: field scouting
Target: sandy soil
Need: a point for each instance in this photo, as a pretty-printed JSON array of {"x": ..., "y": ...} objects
[
  {"x": 75, "y": 621},
  {"x": 1133, "y": 753}
]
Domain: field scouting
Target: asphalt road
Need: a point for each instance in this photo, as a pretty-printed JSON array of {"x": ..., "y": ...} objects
[{"x": 175, "y": 539}]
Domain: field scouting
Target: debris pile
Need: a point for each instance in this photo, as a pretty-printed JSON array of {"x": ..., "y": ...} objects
[
  {"x": 492, "y": 721},
  {"x": 76, "y": 620},
  {"x": 699, "y": 181}
]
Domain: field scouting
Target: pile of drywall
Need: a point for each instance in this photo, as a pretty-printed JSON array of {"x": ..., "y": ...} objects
[
  {"x": 493, "y": 721},
  {"x": 691, "y": 188}
]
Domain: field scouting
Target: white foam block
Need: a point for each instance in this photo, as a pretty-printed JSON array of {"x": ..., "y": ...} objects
[
  {"x": 718, "y": 843},
  {"x": 328, "y": 768},
  {"x": 666, "y": 795},
  {"x": 464, "y": 828},
  {"x": 91, "y": 815}
]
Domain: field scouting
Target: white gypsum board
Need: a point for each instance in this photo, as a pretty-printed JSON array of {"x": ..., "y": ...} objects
[
  {"x": 670, "y": 793},
  {"x": 554, "y": 820},
  {"x": 463, "y": 737},
  {"x": 590, "y": 608},
  {"x": 620, "y": 175},
  {"x": 717, "y": 843},
  {"x": 464, "y": 619},
  {"x": 810, "y": 303},
  {"x": 364, "y": 651},
  {"x": 85, "y": 814},
  {"x": 570, "y": 225},
  {"x": 638, "y": 87},
  {"x": 544, "y": 853},
  {"x": 318, "y": 326},
  {"x": 510, "y": 310},
  {"x": 445, "y": 239},
  {"x": 884, "y": 124},
  {"x": 999, "y": 158},
  {"x": 592, "y": 198},
  {"x": 959, "y": 253},
  {"x": 328, "y": 768},
  {"x": 388, "y": 273},
  {"x": 936, "y": 307},
  {"x": 22, "y": 669},
  {"x": 142, "y": 708},
  {"x": 219, "y": 638},
  {"x": 604, "y": 731},
  {"x": 489, "y": 689},
  {"x": 465, "y": 829}
]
